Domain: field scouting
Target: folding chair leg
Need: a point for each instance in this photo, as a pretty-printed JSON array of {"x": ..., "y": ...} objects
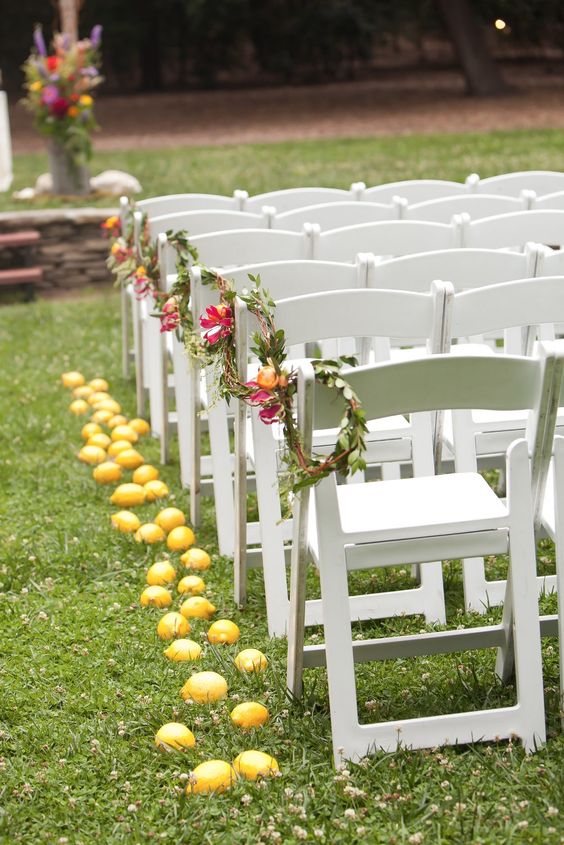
[
  {"x": 183, "y": 395},
  {"x": 221, "y": 472},
  {"x": 139, "y": 362},
  {"x": 559, "y": 533},
  {"x": 195, "y": 447},
  {"x": 164, "y": 402},
  {"x": 124, "y": 303},
  {"x": 296, "y": 615},
  {"x": 240, "y": 556}
]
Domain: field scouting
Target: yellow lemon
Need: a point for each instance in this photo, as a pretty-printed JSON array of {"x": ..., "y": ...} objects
[
  {"x": 99, "y": 384},
  {"x": 89, "y": 429},
  {"x": 204, "y": 688},
  {"x": 117, "y": 419},
  {"x": 174, "y": 737},
  {"x": 106, "y": 473},
  {"x": 98, "y": 396},
  {"x": 129, "y": 458},
  {"x": 149, "y": 533},
  {"x": 128, "y": 495},
  {"x": 82, "y": 392},
  {"x": 101, "y": 416},
  {"x": 251, "y": 660},
  {"x": 170, "y": 518},
  {"x": 155, "y": 597},
  {"x": 211, "y": 776},
  {"x": 124, "y": 432},
  {"x": 100, "y": 439},
  {"x": 108, "y": 405},
  {"x": 155, "y": 490},
  {"x": 161, "y": 572},
  {"x": 145, "y": 473},
  {"x": 183, "y": 650},
  {"x": 72, "y": 379},
  {"x": 255, "y": 764},
  {"x": 172, "y": 625},
  {"x": 249, "y": 714},
  {"x": 140, "y": 426},
  {"x": 92, "y": 455},
  {"x": 196, "y": 559},
  {"x": 117, "y": 446},
  {"x": 180, "y": 538},
  {"x": 223, "y": 631},
  {"x": 191, "y": 584},
  {"x": 78, "y": 407},
  {"x": 125, "y": 521},
  {"x": 197, "y": 607}
]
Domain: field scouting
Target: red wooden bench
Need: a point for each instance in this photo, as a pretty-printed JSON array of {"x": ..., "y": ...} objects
[{"x": 29, "y": 275}]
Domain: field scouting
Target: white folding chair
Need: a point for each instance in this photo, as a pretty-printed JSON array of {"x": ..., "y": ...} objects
[
  {"x": 178, "y": 203},
  {"x": 315, "y": 318},
  {"x": 473, "y": 434},
  {"x": 553, "y": 201},
  {"x": 288, "y": 199},
  {"x": 505, "y": 230},
  {"x": 476, "y": 205},
  {"x": 418, "y": 519},
  {"x": 511, "y": 184},
  {"x": 332, "y": 215},
  {"x": 395, "y": 237},
  {"x": 413, "y": 190}
]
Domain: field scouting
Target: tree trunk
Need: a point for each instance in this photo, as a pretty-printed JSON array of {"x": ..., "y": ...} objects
[
  {"x": 483, "y": 76},
  {"x": 68, "y": 13}
]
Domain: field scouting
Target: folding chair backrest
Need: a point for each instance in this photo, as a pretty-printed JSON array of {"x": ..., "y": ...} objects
[
  {"x": 290, "y": 198},
  {"x": 506, "y": 230},
  {"x": 333, "y": 215},
  {"x": 395, "y": 237},
  {"x": 413, "y": 190},
  {"x": 511, "y": 184},
  {"x": 550, "y": 262},
  {"x": 464, "y": 268},
  {"x": 202, "y": 222},
  {"x": 550, "y": 201},
  {"x": 476, "y": 205},
  {"x": 177, "y": 203},
  {"x": 249, "y": 246}
]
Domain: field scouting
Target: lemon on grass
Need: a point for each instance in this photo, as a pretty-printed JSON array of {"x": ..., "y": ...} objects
[
  {"x": 72, "y": 379},
  {"x": 108, "y": 405},
  {"x": 191, "y": 584},
  {"x": 82, "y": 392},
  {"x": 181, "y": 650},
  {"x": 89, "y": 429},
  {"x": 98, "y": 384},
  {"x": 128, "y": 495},
  {"x": 155, "y": 597},
  {"x": 99, "y": 439},
  {"x": 249, "y": 714},
  {"x": 197, "y": 607},
  {"x": 91, "y": 455},
  {"x": 149, "y": 533},
  {"x": 204, "y": 688},
  {"x": 140, "y": 426},
  {"x": 124, "y": 432},
  {"x": 101, "y": 416},
  {"x": 98, "y": 396},
  {"x": 144, "y": 473},
  {"x": 223, "y": 631},
  {"x": 160, "y": 573},
  {"x": 155, "y": 490},
  {"x": 78, "y": 407},
  {"x": 172, "y": 625},
  {"x": 117, "y": 419},
  {"x": 174, "y": 737},
  {"x": 117, "y": 446},
  {"x": 170, "y": 518},
  {"x": 125, "y": 521},
  {"x": 129, "y": 459},
  {"x": 180, "y": 538},
  {"x": 211, "y": 776},
  {"x": 196, "y": 559},
  {"x": 251, "y": 660},
  {"x": 106, "y": 473},
  {"x": 255, "y": 764}
]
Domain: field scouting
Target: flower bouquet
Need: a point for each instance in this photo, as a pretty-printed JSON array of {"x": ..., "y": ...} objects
[{"x": 59, "y": 87}]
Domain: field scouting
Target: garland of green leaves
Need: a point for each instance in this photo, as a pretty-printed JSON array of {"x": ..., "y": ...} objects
[{"x": 275, "y": 386}]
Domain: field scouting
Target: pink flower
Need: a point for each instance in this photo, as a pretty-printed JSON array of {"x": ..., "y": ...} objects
[
  {"x": 219, "y": 322},
  {"x": 170, "y": 319},
  {"x": 259, "y": 396},
  {"x": 269, "y": 414}
]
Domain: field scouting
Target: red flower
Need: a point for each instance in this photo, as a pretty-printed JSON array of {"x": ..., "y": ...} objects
[
  {"x": 170, "y": 319},
  {"x": 59, "y": 107},
  {"x": 52, "y": 63},
  {"x": 218, "y": 321},
  {"x": 269, "y": 414}
]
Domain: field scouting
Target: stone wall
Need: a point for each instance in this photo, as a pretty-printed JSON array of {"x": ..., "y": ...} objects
[{"x": 72, "y": 251}]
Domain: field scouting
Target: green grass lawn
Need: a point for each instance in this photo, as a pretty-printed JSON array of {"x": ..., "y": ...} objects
[
  {"x": 84, "y": 684},
  {"x": 262, "y": 167}
]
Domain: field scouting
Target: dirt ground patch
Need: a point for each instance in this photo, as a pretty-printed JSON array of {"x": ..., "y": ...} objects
[{"x": 395, "y": 103}]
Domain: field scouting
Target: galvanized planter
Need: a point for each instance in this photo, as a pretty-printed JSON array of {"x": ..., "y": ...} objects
[{"x": 69, "y": 178}]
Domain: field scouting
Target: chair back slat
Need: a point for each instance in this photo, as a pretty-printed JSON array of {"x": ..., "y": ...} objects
[
  {"x": 476, "y": 205},
  {"x": 414, "y": 190},
  {"x": 511, "y": 184},
  {"x": 506, "y": 230},
  {"x": 550, "y": 201},
  {"x": 290, "y": 198},
  {"x": 333, "y": 215},
  {"x": 179, "y": 203},
  {"x": 396, "y": 237},
  {"x": 249, "y": 246},
  {"x": 202, "y": 222}
]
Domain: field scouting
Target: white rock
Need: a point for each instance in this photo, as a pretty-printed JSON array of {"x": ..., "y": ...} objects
[
  {"x": 24, "y": 194},
  {"x": 44, "y": 184},
  {"x": 115, "y": 182}
]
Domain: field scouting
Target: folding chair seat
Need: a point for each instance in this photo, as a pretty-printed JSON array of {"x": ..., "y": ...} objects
[
  {"x": 511, "y": 184},
  {"x": 413, "y": 520},
  {"x": 413, "y": 190},
  {"x": 332, "y": 215},
  {"x": 476, "y": 205}
]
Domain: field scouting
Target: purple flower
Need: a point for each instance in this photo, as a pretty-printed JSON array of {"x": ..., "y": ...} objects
[
  {"x": 54, "y": 77},
  {"x": 89, "y": 71},
  {"x": 96, "y": 36},
  {"x": 39, "y": 41},
  {"x": 50, "y": 94}
]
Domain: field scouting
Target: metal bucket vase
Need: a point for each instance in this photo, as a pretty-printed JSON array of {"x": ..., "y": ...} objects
[{"x": 69, "y": 178}]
